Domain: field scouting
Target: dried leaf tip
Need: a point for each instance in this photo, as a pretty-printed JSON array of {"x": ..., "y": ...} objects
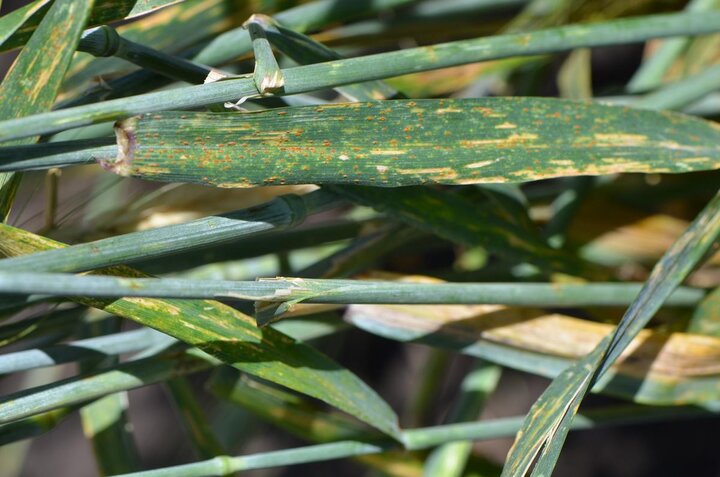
[
  {"x": 125, "y": 135},
  {"x": 264, "y": 21},
  {"x": 267, "y": 75},
  {"x": 271, "y": 82}
]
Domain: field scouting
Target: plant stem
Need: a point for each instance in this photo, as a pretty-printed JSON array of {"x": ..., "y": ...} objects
[
  {"x": 281, "y": 212},
  {"x": 303, "y": 79},
  {"x": 118, "y": 343},
  {"x": 337, "y": 291},
  {"x": 417, "y": 439},
  {"x": 105, "y": 41}
]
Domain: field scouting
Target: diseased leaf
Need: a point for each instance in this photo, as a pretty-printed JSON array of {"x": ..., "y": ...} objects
[
  {"x": 658, "y": 368},
  {"x": 412, "y": 142},
  {"x": 33, "y": 80},
  {"x": 626, "y": 236},
  {"x": 104, "y": 11},
  {"x": 232, "y": 337},
  {"x": 11, "y": 22},
  {"x": 538, "y": 444}
]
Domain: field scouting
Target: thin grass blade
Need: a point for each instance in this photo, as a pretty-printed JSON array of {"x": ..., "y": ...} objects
[
  {"x": 305, "y": 419},
  {"x": 449, "y": 460},
  {"x": 684, "y": 92},
  {"x": 105, "y": 422},
  {"x": 338, "y": 291},
  {"x": 650, "y": 74},
  {"x": 90, "y": 386},
  {"x": 34, "y": 426},
  {"x": 417, "y": 438},
  {"x": 309, "y": 78},
  {"x": 280, "y": 213},
  {"x": 112, "y": 344},
  {"x": 232, "y": 337},
  {"x": 193, "y": 417}
]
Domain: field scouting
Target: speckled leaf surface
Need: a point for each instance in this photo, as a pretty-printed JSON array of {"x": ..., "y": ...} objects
[
  {"x": 411, "y": 142},
  {"x": 232, "y": 337},
  {"x": 540, "y": 440}
]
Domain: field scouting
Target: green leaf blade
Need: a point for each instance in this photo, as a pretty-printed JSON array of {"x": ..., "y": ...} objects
[
  {"x": 34, "y": 79},
  {"x": 232, "y": 337}
]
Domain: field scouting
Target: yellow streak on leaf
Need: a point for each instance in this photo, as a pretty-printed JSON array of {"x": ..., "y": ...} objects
[
  {"x": 155, "y": 305},
  {"x": 605, "y": 140},
  {"x": 476, "y": 165},
  {"x": 440, "y": 171},
  {"x": 448, "y": 110},
  {"x": 512, "y": 140}
]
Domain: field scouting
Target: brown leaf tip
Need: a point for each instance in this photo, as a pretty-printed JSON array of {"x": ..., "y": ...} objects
[
  {"x": 126, "y": 142},
  {"x": 264, "y": 21}
]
